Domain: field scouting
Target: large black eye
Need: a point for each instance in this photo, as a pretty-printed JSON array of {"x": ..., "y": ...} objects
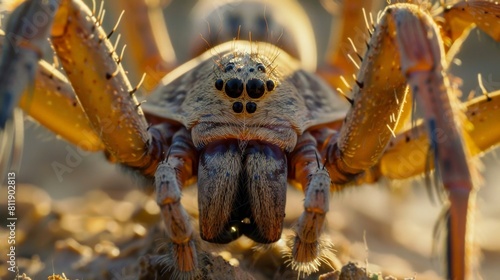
[
  {"x": 234, "y": 88},
  {"x": 219, "y": 83},
  {"x": 255, "y": 88}
]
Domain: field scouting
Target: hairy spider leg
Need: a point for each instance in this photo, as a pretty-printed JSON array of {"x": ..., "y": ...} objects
[
  {"x": 175, "y": 172},
  {"x": 150, "y": 46},
  {"x": 96, "y": 74},
  {"x": 412, "y": 35},
  {"x": 306, "y": 170},
  {"x": 401, "y": 159},
  {"x": 348, "y": 35}
]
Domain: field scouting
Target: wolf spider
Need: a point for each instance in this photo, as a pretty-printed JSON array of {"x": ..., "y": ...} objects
[{"x": 252, "y": 114}]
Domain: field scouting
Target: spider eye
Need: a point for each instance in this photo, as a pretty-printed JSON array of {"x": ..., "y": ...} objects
[
  {"x": 255, "y": 88},
  {"x": 229, "y": 67},
  {"x": 251, "y": 107},
  {"x": 261, "y": 68},
  {"x": 238, "y": 107},
  {"x": 270, "y": 85},
  {"x": 219, "y": 84},
  {"x": 234, "y": 88}
]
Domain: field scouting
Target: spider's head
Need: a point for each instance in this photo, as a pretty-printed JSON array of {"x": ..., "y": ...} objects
[
  {"x": 249, "y": 91},
  {"x": 244, "y": 96}
]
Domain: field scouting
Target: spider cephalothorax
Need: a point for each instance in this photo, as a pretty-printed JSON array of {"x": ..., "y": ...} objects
[{"x": 257, "y": 78}]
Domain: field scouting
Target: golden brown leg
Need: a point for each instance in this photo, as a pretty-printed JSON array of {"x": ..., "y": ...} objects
[
  {"x": 54, "y": 105},
  {"x": 94, "y": 70},
  {"x": 379, "y": 94},
  {"x": 151, "y": 48},
  {"x": 407, "y": 153},
  {"x": 52, "y": 102},
  {"x": 423, "y": 64},
  {"x": 483, "y": 14},
  {"x": 350, "y": 27},
  {"x": 412, "y": 35}
]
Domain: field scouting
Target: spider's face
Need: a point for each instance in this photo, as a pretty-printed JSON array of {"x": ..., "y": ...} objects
[
  {"x": 245, "y": 91},
  {"x": 241, "y": 92},
  {"x": 246, "y": 80},
  {"x": 250, "y": 103}
]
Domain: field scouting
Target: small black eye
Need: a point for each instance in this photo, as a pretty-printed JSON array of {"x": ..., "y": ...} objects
[
  {"x": 219, "y": 84},
  {"x": 234, "y": 88},
  {"x": 270, "y": 85},
  {"x": 238, "y": 107},
  {"x": 261, "y": 68},
  {"x": 255, "y": 88},
  {"x": 251, "y": 107},
  {"x": 229, "y": 67}
]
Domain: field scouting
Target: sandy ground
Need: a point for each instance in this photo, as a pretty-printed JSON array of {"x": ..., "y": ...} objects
[{"x": 95, "y": 222}]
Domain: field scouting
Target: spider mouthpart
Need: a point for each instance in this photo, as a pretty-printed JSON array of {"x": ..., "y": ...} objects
[
  {"x": 251, "y": 107},
  {"x": 219, "y": 83},
  {"x": 238, "y": 107},
  {"x": 255, "y": 88},
  {"x": 234, "y": 88},
  {"x": 270, "y": 85}
]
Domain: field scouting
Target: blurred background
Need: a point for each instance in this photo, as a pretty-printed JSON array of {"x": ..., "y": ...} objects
[{"x": 388, "y": 225}]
